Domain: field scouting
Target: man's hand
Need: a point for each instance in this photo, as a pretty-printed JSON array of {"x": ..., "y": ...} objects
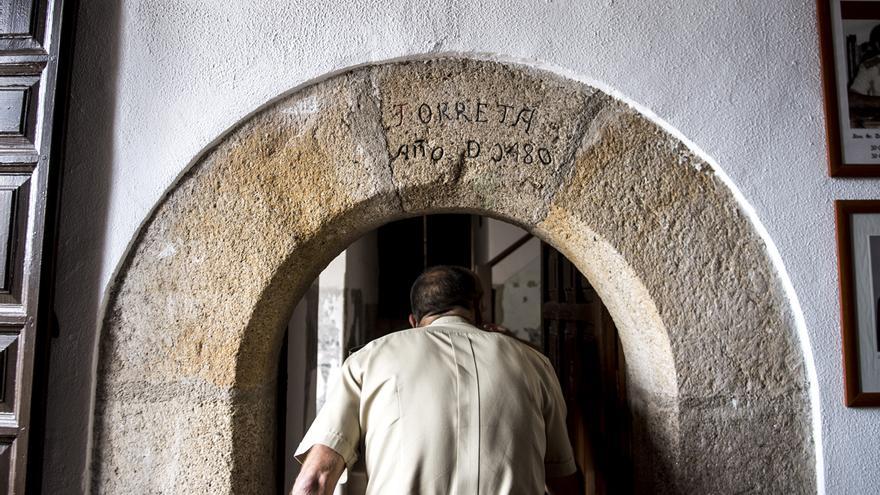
[
  {"x": 494, "y": 327},
  {"x": 320, "y": 472}
]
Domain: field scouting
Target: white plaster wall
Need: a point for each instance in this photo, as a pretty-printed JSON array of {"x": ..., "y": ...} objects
[
  {"x": 518, "y": 301},
  {"x": 516, "y": 278},
  {"x": 331, "y": 325},
  {"x": 499, "y": 236},
  {"x": 157, "y": 80}
]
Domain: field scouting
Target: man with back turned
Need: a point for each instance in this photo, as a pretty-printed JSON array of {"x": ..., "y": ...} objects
[{"x": 443, "y": 408}]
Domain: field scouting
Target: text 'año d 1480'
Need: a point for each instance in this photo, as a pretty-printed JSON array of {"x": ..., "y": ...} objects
[{"x": 525, "y": 153}]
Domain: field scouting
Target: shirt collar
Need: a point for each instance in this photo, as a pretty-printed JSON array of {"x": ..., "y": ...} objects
[{"x": 449, "y": 319}]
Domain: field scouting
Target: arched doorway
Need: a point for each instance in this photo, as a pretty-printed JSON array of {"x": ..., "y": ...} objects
[{"x": 185, "y": 397}]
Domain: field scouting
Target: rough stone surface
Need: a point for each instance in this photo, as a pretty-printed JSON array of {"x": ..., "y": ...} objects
[
  {"x": 716, "y": 293},
  {"x": 191, "y": 336}
]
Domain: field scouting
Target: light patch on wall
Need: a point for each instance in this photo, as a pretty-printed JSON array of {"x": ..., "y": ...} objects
[
  {"x": 304, "y": 107},
  {"x": 518, "y": 302},
  {"x": 168, "y": 250},
  {"x": 331, "y": 317}
]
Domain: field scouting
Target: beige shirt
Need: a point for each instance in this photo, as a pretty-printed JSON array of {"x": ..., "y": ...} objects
[{"x": 447, "y": 408}]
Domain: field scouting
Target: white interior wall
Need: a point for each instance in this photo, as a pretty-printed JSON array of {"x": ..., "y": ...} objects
[
  {"x": 157, "y": 81},
  {"x": 500, "y": 235},
  {"x": 331, "y": 325},
  {"x": 516, "y": 278},
  {"x": 362, "y": 286}
]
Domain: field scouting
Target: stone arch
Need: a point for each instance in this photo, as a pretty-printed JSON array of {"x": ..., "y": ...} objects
[{"x": 189, "y": 343}]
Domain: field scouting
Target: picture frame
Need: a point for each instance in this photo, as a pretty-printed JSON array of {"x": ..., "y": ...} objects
[
  {"x": 858, "y": 245},
  {"x": 849, "y": 44}
]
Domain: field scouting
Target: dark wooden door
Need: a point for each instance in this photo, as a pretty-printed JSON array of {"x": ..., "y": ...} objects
[
  {"x": 30, "y": 33},
  {"x": 406, "y": 248},
  {"x": 581, "y": 341}
]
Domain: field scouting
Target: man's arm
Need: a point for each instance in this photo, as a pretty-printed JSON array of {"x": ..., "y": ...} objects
[
  {"x": 320, "y": 472},
  {"x": 566, "y": 485},
  {"x": 331, "y": 442},
  {"x": 562, "y": 475}
]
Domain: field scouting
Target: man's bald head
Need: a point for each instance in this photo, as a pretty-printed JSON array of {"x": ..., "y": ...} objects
[{"x": 443, "y": 288}]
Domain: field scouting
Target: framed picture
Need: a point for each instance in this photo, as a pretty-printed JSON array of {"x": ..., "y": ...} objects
[
  {"x": 858, "y": 245},
  {"x": 849, "y": 36}
]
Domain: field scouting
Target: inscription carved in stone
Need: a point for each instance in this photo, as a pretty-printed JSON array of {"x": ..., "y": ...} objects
[
  {"x": 447, "y": 123},
  {"x": 471, "y": 114}
]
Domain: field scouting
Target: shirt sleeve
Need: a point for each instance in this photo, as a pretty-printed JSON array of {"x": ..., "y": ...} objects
[
  {"x": 559, "y": 457},
  {"x": 337, "y": 424}
]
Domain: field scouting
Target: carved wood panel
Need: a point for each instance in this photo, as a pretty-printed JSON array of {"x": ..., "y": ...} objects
[
  {"x": 14, "y": 202},
  {"x": 7, "y": 457},
  {"x": 22, "y": 25},
  {"x": 18, "y": 107},
  {"x": 28, "y": 74},
  {"x": 8, "y": 362}
]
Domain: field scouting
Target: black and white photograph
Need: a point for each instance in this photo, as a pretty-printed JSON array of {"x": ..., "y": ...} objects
[
  {"x": 850, "y": 50},
  {"x": 859, "y": 252},
  {"x": 863, "y": 71}
]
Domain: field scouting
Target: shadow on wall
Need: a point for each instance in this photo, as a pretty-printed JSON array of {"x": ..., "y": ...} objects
[
  {"x": 653, "y": 457},
  {"x": 87, "y": 177}
]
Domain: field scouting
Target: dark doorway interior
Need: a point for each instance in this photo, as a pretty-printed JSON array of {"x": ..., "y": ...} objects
[
  {"x": 581, "y": 341},
  {"x": 405, "y": 249},
  {"x": 530, "y": 287}
]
